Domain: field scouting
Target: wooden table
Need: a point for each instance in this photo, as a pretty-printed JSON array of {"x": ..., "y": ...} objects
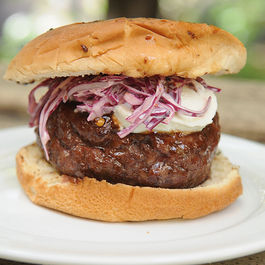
[{"x": 241, "y": 109}]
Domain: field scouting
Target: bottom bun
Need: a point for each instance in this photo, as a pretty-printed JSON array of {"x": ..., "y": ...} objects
[{"x": 101, "y": 200}]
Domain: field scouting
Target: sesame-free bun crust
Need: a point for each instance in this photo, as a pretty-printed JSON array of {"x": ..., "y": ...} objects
[
  {"x": 101, "y": 200},
  {"x": 133, "y": 47}
]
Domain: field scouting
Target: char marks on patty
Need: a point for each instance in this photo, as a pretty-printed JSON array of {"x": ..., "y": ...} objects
[{"x": 79, "y": 148}]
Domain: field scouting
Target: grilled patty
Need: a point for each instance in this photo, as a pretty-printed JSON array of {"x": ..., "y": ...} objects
[{"x": 168, "y": 160}]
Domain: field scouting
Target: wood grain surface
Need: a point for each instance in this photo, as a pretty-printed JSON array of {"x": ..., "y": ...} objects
[{"x": 241, "y": 109}]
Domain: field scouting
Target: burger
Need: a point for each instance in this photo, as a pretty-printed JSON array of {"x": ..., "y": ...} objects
[{"x": 127, "y": 129}]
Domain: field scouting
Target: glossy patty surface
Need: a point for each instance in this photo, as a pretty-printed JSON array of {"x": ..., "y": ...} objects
[{"x": 79, "y": 148}]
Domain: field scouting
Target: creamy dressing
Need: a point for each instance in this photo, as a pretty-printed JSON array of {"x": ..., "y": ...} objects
[{"x": 194, "y": 100}]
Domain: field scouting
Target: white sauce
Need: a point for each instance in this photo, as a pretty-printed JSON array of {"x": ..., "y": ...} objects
[{"x": 180, "y": 122}]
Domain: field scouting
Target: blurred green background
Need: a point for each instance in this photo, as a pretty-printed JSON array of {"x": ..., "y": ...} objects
[{"x": 22, "y": 20}]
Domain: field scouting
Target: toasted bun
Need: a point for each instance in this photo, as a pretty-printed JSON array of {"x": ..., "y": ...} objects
[
  {"x": 101, "y": 200},
  {"x": 133, "y": 47}
]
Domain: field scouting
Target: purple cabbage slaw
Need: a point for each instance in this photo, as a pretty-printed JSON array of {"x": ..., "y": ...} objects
[{"x": 153, "y": 100}]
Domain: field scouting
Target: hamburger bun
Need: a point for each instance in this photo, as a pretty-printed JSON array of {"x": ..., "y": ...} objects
[
  {"x": 101, "y": 200},
  {"x": 134, "y": 47}
]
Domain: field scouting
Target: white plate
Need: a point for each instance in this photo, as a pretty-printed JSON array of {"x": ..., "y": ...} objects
[{"x": 35, "y": 234}]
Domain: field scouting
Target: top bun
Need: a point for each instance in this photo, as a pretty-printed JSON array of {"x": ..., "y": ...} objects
[{"x": 134, "y": 47}]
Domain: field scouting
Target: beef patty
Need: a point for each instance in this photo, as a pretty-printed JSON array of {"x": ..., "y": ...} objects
[{"x": 168, "y": 160}]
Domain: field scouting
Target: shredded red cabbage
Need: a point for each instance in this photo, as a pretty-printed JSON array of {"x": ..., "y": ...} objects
[{"x": 153, "y": 100}]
